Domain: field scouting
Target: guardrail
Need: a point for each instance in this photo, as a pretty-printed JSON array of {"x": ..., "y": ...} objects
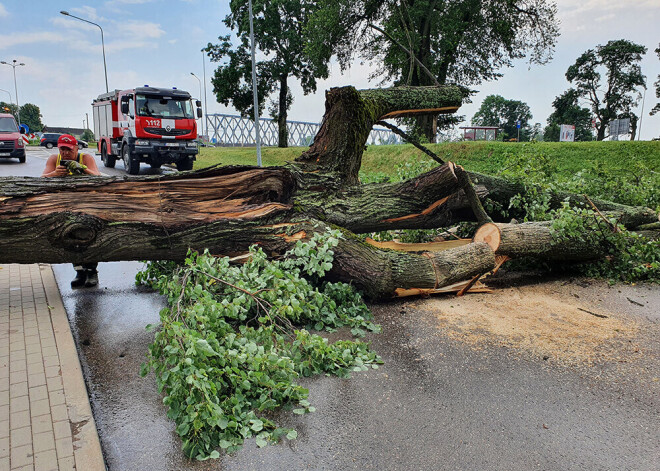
[{"x": 237, "y": 131}]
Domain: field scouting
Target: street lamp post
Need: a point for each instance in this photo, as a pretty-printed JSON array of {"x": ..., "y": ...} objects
[
  {"x": 254, "y": 88},
  {"x": 7, "y": 92},
  {"x": 206, "y": 109},
  {"x": 105, "y": 69},
  {"x": 14, "y": 65},
  {"x": 200, "y": 90}
]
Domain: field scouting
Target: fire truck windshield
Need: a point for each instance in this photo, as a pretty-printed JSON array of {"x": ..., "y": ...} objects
[
  {"x": 158, "y": 107},
  {"x": 8, "y": 125}
]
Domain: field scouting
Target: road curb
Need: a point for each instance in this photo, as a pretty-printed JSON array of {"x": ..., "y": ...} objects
[{"x": 87, "y": 447}]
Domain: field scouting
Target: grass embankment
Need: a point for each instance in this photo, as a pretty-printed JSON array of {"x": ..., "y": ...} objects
[{"x": 487, "y": 157}]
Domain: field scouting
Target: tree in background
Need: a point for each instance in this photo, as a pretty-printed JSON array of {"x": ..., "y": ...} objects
[
  {"x": 87, "y": 135},
  {"x": 618, "y": 93},
  {"x": 656, "y": 108},
  {"x": 8, "y": 108},
  {"x": 429, "y": 42},
  {"x": 278, "y": 32},
  {"x": 568, "y": 111},
  {"x": 31, "y": 116},
  {"x": 498, "y": 111}
]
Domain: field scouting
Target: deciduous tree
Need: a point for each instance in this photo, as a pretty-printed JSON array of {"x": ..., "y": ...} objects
[
  {"x": 31, "y": 115},
  {"x": 656, "y": 108},
  {"x": 427, "y": 42},
  {"x": 615, "y": 94},
  {"x": 278, "y": 32},
  {"x": 568, "y": 111},
  {"x": 498, "y": 111}
]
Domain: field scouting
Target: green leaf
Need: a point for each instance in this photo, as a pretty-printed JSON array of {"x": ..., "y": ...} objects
[
  {"x": 292, "y": 435},
  {"x": 203, "y": 346}
]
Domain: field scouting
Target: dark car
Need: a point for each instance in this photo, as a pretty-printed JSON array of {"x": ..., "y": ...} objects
[{"x": 49, "y": 140}]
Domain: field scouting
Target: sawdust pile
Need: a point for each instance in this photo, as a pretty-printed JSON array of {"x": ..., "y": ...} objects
[{"x": 548, "y": 325}]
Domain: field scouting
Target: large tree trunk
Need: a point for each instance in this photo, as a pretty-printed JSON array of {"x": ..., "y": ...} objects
[
  {"x": 350, "y": 115},
  {"x": 283, "y": 107},
  {"x": 228, "y": 209}
]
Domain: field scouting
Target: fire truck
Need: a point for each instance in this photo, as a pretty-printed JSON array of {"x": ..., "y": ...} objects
[{"x": 146, "y": 124}]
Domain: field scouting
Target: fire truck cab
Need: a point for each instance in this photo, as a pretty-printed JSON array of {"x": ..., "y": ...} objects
[{"x": 146, "y": 124}]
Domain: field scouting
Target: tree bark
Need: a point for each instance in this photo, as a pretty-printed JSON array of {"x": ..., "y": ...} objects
[
  {"x": 283, "y": 133},
  {"x": 535, "y": 239},
  {"x": 228, "y": 209},
  {"x": 350, "y": 115}
]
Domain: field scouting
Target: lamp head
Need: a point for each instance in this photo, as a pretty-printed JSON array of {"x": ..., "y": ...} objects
[{"x": 65, "y": 13}]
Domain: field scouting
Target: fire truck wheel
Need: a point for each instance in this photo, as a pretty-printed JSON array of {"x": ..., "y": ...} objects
[
  {"x": 186, "y": 164},
  {"x": 21, "y": 159},
  {"x": 131, "y": 165},
  {"x": 108, "y": 160}
]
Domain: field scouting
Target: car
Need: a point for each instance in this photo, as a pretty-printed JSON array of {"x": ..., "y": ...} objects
[
  {"x": 11, "y": 141},
  {"x": 49, "y": 140}
]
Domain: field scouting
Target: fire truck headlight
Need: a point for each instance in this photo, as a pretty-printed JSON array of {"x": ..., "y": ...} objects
[
  {"x": 191, "y": 144},
  {"x": 141, "y": 142}
]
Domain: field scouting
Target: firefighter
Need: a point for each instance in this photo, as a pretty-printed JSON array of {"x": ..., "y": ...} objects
[{"x": 69, "y": 162}]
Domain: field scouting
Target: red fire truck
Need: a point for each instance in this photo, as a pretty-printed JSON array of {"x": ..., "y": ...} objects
[{"x": 146, "y": 124}]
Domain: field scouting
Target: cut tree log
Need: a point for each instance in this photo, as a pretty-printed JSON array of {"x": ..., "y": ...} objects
[{"x": 535, "y": 239}]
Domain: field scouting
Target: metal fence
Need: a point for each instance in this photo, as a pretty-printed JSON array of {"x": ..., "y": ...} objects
[{"x": 237, "y": 131}]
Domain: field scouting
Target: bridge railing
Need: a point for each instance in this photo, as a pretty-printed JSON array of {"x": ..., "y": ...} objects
[{"x": 237, "y": 131}]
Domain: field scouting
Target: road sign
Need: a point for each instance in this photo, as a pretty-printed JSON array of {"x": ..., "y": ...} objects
[
  {"x": 25, "y": 128},
  {"x": 518, "y": 124},
  {"x": 25, "y": 138},
  {"x": 566, "y": 133}
]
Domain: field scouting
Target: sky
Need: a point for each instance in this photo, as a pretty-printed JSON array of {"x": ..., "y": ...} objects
[{"x": 159, "y": 42}]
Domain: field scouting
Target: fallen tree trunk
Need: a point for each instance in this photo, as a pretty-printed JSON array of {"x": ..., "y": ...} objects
[
  {"x": 536, "y": 239},
  {"x": 228, "y": 209}
]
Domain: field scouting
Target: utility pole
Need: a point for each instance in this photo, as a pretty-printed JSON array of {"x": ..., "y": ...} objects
[
  {"x": 254, "y": 89},
  {"x": 206, "y": 109}
]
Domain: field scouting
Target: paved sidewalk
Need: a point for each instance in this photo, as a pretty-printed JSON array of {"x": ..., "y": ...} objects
[{"x": 46, "y": 421}]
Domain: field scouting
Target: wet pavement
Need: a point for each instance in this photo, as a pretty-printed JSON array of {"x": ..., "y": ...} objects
[{"x": 436, "y": 404}]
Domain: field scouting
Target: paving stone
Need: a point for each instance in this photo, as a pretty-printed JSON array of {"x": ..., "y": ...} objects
[
  {"x": 43, "y": 441},
  {"x": 64, "y": 447},
  {"x": 4, "y": 447},
  {"x": 39, "y": 392},
  {"x": 21, "y": 456},
  {"x": 62, "y": 429},
  {"x": 19, "y": 419},
  {"x": 59, "y": 413},
  {"x": 45, "y": 461},
  {"x": 43, "y": 423},
  {"x": 67, "y": 464},
  {"x": 19, "y": 404},
  {"x": 40, "y": 407},
  {"x": 21, "y": 436}
]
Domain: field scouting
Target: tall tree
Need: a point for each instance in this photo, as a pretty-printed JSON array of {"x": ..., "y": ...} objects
[
  {"x": 656, "y": 108},
  {"x": 568, "y": 111},
  {"x": 428, "y": 42},
  {"x": 498, "y": 111},
  {"x": 278, "y": 32},
  {"x": 618, "y": 94},
  {"x": 31, "y": 115}
]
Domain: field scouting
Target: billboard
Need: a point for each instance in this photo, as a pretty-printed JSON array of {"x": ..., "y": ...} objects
[{"x": 566, "y": 133}]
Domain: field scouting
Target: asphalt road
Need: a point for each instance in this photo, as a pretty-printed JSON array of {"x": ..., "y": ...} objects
[{"x": 437, "y": 403}]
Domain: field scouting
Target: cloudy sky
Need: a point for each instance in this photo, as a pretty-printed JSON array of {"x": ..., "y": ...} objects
[{"x": 158, "y": 42}]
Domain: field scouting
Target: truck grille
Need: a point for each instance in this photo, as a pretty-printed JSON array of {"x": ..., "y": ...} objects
[
  {"x": 7, "y": 145},
  {"x": 165, "y": 132}
]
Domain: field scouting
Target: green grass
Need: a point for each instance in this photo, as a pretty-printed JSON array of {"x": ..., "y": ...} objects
[{"x": 487, "y": 157}]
